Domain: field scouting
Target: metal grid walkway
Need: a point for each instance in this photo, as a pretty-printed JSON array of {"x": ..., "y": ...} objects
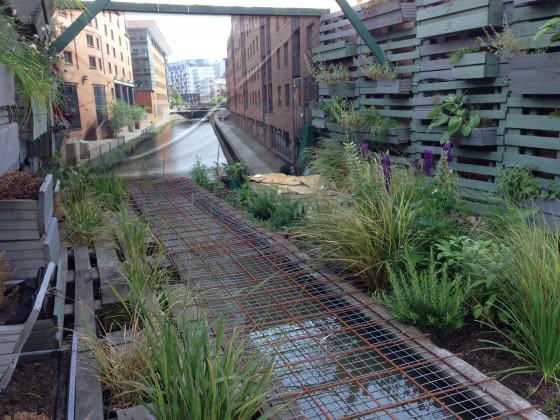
[{"x": 338, "y": 355}]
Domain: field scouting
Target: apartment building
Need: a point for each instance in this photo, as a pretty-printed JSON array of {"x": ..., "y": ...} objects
[
  {"x": 194, "y": 80},
  {"x": 269, "y": 88},
  {"x": 149, "y": 51},
  {"x": 97, "y": 70}
]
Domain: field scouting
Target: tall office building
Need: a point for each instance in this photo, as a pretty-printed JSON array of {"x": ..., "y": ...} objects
[
  {"x": 269, "y": 88},
  {"x": 149, "y": 65},
  {"x": 97, "y": 70},
  {"x": 194, "y": 80}
]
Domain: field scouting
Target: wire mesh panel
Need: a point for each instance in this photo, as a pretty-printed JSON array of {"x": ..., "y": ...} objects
[{"x": 336, "y": 354}]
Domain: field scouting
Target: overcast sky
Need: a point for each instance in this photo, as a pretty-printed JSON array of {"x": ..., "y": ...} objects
[{"x": 206, "y": 36}]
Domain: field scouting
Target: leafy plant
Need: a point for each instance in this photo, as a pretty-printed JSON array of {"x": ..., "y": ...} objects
[
  {"x": 82, "y": 220},
  {"x": 501, "y": 44},
  {"x": 176, "y": 100},
  {"x": 327, "y": 158},
  {"x": 551, "y": 27},
  {"x": 200, "y": 173},
  {"x": 120, "y": 114},
  {"x": 552, "y": 192},
  {"x": 28, "y": 61},
  {"x": 110, "y": 190},
  {"x": 429, "y": 299},
  {"x": 517, "y": 183},
  {"x": 378, "y": 71},
  {"x": 334, "y": 73},
  {"x": 366, "y": 119},
  {"x": 530, "y": 307},
  {"x": 484, "y": 262},
  {"x": 455, "y": 116}
]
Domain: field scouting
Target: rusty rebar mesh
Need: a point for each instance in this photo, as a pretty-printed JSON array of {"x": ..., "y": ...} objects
[{"x": 335, "y": 355}]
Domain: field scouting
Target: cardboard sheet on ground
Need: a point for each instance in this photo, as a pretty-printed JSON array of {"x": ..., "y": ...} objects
[{"x": 288, "y": 183}]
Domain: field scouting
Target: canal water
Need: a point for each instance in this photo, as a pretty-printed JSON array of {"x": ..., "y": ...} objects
[{"x": 175, "y": 150}]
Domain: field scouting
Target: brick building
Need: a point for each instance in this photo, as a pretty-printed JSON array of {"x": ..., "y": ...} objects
[
  {"x": 269, "y": 88},
  {"x": 149, "y": 65},
  {"x": 97, "y": 70}
]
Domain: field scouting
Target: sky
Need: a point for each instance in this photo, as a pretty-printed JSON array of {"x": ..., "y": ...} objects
[{"x": 206, "y": 36}]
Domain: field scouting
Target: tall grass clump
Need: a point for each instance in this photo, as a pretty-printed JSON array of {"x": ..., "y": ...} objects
[
  {"x": 193, "y": 372},
  {"x": 529, "y": 308},
  {"x": 429, "y": 299},
  {"x": 364, "y": 234},
  {"x": 83, "y": 220}
]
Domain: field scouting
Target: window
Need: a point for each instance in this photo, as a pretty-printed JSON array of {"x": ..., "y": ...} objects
[
  {"x": 114, "y": 53},
  {"x": 68, "y": 57},
  {"x": 100, "y": 102},
  {"x": 118, "y": 23},
  {"x": 92, "y": 62},
  {"x": 279, "y": 95},
  {"x": 106, "y": 32},
  {"x": 97, "y": 43},
  {"x": 122, "y": 57},
  {"x": 112, "y": 92},
  {"x": 110, "y": 68},
  {"x": 287, "y": 94},
  {"x": 277, "y": 23},
  {"x": 120, "y": 40},
  {"x": 71, "y": 111},
  {"x": 95, "y": 22},
  {"x": 89, "y": 40},
  {"x": 286, "y": 59},
  {"x": 116, "y": 70},
  {"x": 112, "y": 35},
  {"x": 278, "y": 59},
  {"x": 123, "y": 73},
  {"x": 100, "y": 64},
  {"x": 108, "y": 50}
]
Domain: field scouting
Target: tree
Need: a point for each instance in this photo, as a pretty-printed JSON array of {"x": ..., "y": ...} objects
[{"x": 176, "y": 99}]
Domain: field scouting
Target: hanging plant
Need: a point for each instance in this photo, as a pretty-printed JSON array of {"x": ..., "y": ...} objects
[{"x": 454, "y": 116}]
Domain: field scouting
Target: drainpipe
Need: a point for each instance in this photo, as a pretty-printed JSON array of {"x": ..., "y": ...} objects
[{"x": 363, "y": 32}]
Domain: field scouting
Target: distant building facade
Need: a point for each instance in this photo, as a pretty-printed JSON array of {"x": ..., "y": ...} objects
[
  {"x": 149, "y": 51},
  {"x": 97, "y": 70},
  {"x": 194, "y": 80},
  {"x": 269, "y": 88}
]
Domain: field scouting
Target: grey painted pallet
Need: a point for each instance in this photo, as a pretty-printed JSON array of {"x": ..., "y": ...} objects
[
  {"x": 114, "y": 287},
  {"x": 342, "y": 90},
  {"x": 535, "y": 74},
  {"x": 478, "y": 137},
  {"x": 477, "y": 65},
  {"x": 13, "y": 337}
]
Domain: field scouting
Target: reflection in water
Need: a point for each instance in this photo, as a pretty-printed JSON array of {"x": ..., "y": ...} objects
[{"x": 175, "y": 150}]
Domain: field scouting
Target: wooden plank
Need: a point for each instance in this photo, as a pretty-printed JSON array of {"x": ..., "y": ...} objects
[
  {"x": 114, "y": 286},
  {"x": 60, "y": 296},
  {"x": 10, "y": 205},
  {"x": 45, "y": 202},
  {"x": 51, "y": 242}
]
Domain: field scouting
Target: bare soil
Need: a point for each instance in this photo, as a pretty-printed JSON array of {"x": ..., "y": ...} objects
[
  {"x": 20, "y": 185},
  {"x": 33, "y": 390},
  {"x": 467, "y": 344}
]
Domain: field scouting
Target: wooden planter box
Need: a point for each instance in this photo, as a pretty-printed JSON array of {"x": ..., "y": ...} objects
[
  {"x": 342, "y": 90},
  {"x": 550, "y": 210},
  {"x": 318, "y": 119},
  {"x": 13, "y": 337},
  {"x": 478, "y": 137},
  {"x": 458, "y": 16},
  {"x": 388, "y": 14},
  {"x": 394, "y": 86},
  {"x": 400, "y": 135},
  {"x": 535, "y": 74},
  {"x": 317, "y": 113},
  {"x": 479, "y": 65},
  {"x": 334, "y": 51},
  {"x": 334, "y": 128}
]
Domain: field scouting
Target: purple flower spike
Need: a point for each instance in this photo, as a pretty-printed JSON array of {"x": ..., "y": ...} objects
[
  {"x": 428, "y": 162},
  {"x": 387, "y": 171},
  {"x": 447, "y": 149},
  {"x": 364, "y": 148}
]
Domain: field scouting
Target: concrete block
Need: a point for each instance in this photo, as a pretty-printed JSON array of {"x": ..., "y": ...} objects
[
  {"x": 7, "y": 89},
  {"x": 9, "y": 158}
]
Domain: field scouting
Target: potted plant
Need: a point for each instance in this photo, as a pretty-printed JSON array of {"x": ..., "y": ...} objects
[
  {"x": 338, "y": 79},
  {"x": 236, "y": 174},
  {"x": 334, "y": 51},
  {"x": 538, "y": 73},
  {"x": 461, "y": 124},
  {"x": 385, "y": 78}
]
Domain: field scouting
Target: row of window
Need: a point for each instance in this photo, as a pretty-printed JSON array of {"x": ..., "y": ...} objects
[
  {"x": 90, "y": 39},
  {"x": 255, "y": 97}
]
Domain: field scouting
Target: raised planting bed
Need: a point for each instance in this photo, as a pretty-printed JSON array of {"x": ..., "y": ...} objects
[
  {"x": 478, "y": 65},
  {"x": 400, "y": 135},
  {"x": 478, "y": 137},
  {"x": 21, "y": 317},
  {"x": 394, "y": 86},
  {"x": 535, "y": 74},
  {"x": 342, "y": 89},
  {"x": 457, "y": 16}
]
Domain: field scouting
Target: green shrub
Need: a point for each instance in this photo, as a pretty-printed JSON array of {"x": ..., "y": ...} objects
[
  {"x": 237, "y": 174},
  {"x": 428, "y": 299},
  {"x": 484, "y": 261},
  {"x": 327, "y": 158},
  {"x": 529, "y": 308},
  {"x": 200, "y": 173},
  {"x": 110, "y": 190},
  {"x": 517, "y": 183},
  {"x": 82, "y": 220}
]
